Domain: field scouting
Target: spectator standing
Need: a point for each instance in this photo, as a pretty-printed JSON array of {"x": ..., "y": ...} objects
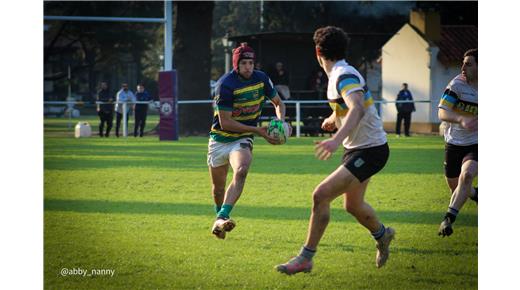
[
  {"x": 124, "y": 95},
  {"x": 105, "y": 109},
  {"x": 141, "y": 110},
  {"x": 404, "y": 110}
]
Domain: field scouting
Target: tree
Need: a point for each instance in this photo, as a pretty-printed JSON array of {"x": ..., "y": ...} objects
[
  {"x": 192, "y": 59},
  {"x": 98, "y": 50}
]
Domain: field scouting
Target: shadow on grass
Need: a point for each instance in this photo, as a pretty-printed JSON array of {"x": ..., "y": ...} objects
[
  {"x": 423, "y": 161},
  {"x": 413, "y": 251},
  {"x": 419, "y": 155},
  {"x": 429, "y": 252},
  {"x": 245, "y": 211}
]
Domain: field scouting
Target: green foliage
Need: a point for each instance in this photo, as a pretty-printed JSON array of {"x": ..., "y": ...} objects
[
  {"x": 370, "y": 23},
  {"x": 143, "y": 208},
  {"x": 101, "y": 50},
  {"x": 303, "y": 16},
  {"x": 237, "y": 18}
]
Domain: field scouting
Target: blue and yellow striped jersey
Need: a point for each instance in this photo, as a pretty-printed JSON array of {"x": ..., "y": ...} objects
[
  {"x": 343, "y": 81},
  {"x": 244, "y": 98},
  {"x": 345, "y": 85},
  {"x": 460, "y": 98}
]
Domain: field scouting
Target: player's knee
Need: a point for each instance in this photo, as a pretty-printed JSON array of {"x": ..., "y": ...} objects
[
  {"x": 319, "y": 194},
  {"x": 218, "y": 190},
  {"x": 241, "y": 172},
  {"x": 466, "y": 177}
]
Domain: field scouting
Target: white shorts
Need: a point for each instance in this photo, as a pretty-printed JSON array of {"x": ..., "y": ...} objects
[{"x": 218, "y": 153}]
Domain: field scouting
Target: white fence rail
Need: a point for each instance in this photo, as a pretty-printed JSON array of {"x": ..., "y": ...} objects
[
  {"x": 70, "y": 106},
  {"x": 182, "y": 102}
]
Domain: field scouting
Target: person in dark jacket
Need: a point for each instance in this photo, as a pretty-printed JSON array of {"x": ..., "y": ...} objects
[
  {"x": 141, "y": 110},
  {"x": 404, "y": 111},
  {"x": 280, "y": 79},
  {"x": 105, "y": 109}
]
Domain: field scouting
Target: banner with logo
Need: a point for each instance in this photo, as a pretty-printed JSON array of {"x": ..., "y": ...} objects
[{"x": 168, "y": 123}]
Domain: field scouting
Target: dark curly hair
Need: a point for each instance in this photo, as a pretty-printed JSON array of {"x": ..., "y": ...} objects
[
  {"x": 331, "y": 42},
  {"x": 472, "y": 52}
]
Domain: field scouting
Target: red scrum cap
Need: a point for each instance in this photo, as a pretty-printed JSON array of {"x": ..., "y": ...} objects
[{"x": 242, "y": 52}]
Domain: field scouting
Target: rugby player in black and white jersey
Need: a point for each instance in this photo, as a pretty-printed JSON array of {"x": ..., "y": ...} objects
[{"x": 459, "y": 109}]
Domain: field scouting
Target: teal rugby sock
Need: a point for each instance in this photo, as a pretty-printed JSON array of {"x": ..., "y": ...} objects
[{"x": 224, "y": 211}]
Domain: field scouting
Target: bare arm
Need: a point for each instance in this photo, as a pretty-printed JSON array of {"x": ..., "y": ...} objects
[
  {"x": 228, "y": 124},
  {"x": 449, "y": 116},
  {"x": 280, "y": 110},
  {"x": 354, "y": 101},
  {"x": 467, "y": 122},
  {"x": 356, "y": 111},
  {"x": 329, "y": 124},
  {"x": 279, "y": 107}
]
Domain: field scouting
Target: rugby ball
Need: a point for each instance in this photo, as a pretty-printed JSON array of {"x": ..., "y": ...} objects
[{"x": 278, "y": 129}]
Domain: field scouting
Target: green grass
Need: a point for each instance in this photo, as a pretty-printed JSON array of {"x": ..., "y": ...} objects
[
  {"x": 143, "y": 208},
  {"x": 64, "y": 127}
]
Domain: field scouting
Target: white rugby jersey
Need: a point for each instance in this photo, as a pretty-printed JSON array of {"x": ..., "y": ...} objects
[
  {"x": 460, "y": 98},
  {"x": 343, "y": 80}
]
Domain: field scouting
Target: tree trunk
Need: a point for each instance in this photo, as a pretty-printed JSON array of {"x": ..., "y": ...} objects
[{"x": 192, "y": 60}]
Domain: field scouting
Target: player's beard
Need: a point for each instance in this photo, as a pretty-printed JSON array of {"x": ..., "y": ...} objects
[{"x": 246, "y": 75}]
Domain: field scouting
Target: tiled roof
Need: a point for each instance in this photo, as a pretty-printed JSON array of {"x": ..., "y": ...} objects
[{"x": 455, "y": 40}]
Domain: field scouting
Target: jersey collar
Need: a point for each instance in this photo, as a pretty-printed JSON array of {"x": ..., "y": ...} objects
[{"x": 339, "y": 63}]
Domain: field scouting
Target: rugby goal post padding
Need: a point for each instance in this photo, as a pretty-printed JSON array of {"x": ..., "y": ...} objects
[{"x": 169, "y": 120}]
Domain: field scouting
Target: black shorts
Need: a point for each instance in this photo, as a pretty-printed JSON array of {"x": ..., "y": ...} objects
[
  {"x": 455, "y": 155},
  {"x": 363, "y": 163}
]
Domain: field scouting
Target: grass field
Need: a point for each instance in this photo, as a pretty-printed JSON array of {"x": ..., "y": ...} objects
[{"x": 143, "y": 208}]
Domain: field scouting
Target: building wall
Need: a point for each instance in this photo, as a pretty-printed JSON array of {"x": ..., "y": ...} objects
[
  {"x": 374, "y": 80},
  {"x": 406, "y": 58},
  {"x": 441, "y": 76}
]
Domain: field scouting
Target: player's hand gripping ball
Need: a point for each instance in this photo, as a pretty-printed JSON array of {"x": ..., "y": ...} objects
[{"x": 279, "y": 129}]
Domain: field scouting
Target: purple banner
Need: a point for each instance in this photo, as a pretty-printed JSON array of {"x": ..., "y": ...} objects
[{"x": 168, "y": 124}]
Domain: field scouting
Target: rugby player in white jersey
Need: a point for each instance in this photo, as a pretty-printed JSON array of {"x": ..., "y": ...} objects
[
  {"x": 459, "y": 108},
  {"x": 361, "y": 133}
]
